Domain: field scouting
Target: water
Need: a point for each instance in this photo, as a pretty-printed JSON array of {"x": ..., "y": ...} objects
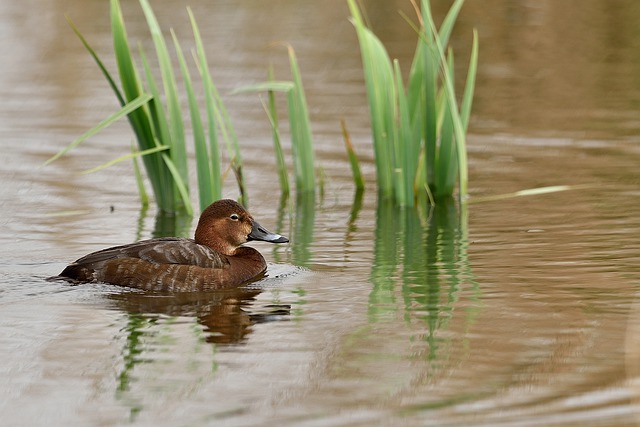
[{"x": 521, "y": 311}]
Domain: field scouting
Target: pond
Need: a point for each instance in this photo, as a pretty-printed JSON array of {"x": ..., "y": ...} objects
[{"x": 511, "y": 311}]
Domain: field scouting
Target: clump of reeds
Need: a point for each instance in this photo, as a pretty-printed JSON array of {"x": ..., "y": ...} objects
[
  {"x": 159, "y": 126},
  {"x": 418, "y": 128}
]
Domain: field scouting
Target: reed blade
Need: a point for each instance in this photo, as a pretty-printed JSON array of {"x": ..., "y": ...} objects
[
  {"x": 205, "y": 179},
  {"x": 268, "y": 86},
  {"x": 271, "y": 86},
  {"x": 126, "y": 109},
  {"x": 379, "y": 81},
  {"x": 160, "y": 132},
  {"x": 406, "y": 149},
  {"x": 98, "y": 61},
  {"x": 459, "y": 132},
  {"x": 446, "y": 165},
  {"x": 469, "y": 89},
  {"x": 140, "y": 121},
  {"x": 447, "y": 24},
  {"x": 210, "y": 105},
  {"x": 177, "y": 152},
  {"x": 301, "y": 137},
  {"x": 132, "y": 155},
  {"x": 353, "y": 158},
  {"x": 272, "y": 114}
]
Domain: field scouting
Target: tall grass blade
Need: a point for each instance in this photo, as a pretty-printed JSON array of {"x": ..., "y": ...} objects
[
  {"x": 272, "y": 86},
  {"x": 379, "y": 80},
  {"x": 449, "y": 90},
  {"x": 159, "y": 132},
  {"x": 218, "y": 118},
  {"x": 407, "y": 150},
  {"x": 301, "y": 139},
  {"x": 233, "y": 146},
  {"x": 447, "y": 24},
  {"x": 353, "y": 158},
  {"x": 140, "y": 119},
  {"x": 98, "y": 61},
  {"x": 446, "y": 166},
  {"x": 469, "y": 89},
  {"x": 210, "y": 104},
  {"x": 205, "y": 179},
  {"x": 178, "y": 150},
  {"x": 422, "y": 96},
  {"x": 272, "y": 114},
  {"x": 128, "y": 75}
]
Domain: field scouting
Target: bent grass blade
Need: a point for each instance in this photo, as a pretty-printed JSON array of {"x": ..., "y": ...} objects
[
  {"x": 353, "y": 158},
  {"x": 272, "y": 115},
  {"x": 532, "y": 192},
  {"x": 132, "y": 155},
  {"x": 128, "y": 108}
]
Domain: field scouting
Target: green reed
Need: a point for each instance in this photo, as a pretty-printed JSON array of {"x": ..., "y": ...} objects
[
  {"x": 301, "y": 138},
  {"x": 272, "y": 114},
  {"x": 418, "y": 129},
  {"x": 159, "y": 126},
  {"x": 299, "y": 126},
  {"x": 353, "y": 158}
]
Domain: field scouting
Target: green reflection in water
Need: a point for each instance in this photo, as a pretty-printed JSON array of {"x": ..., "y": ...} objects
[
  {"x": 132, "y": 355},
  {"x": 301, "y": 237},
  {"x": 172, "y": 224},
  {"x": 303, "y": 229},
  {"x": 425, "y": 251},
  {"x": 153, "y": 341},
  {"x": 301, "y": 221},
  {"x": 166, "y": 225}
]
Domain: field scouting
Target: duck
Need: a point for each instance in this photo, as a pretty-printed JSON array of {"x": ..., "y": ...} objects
[{"x": 215, "y": 258}]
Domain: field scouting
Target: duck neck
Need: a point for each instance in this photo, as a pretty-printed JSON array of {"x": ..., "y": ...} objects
[{"x": 202, "y": 237}]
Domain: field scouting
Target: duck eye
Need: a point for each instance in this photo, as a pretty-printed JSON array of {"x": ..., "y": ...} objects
[{"x": 234, "y": 217}]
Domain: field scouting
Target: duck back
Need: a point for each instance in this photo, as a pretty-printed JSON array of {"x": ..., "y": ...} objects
[{"x": 167, "y": 264}]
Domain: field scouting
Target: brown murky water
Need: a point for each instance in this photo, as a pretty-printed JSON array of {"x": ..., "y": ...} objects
[{"x": 521, "y": 311}]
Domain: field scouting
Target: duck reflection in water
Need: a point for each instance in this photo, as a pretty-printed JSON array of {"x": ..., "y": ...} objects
[{"x": 227, "y": 316}]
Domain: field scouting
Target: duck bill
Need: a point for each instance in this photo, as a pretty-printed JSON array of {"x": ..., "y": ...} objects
[{"x": 258, "y": 232}]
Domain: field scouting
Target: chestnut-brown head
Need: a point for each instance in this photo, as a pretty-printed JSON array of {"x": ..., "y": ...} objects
[{"x": 225, "y": 225}]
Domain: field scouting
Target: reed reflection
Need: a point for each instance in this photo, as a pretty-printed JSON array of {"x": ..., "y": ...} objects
[
  {"x": 226, "y": 318},
  {"x": 172, "y": 224},
  {"x": 420, "y": 265},
  {"x": 302, "y": 222}
]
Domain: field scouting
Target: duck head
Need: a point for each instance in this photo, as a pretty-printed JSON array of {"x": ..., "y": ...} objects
[{"x": 225, "y": 225}]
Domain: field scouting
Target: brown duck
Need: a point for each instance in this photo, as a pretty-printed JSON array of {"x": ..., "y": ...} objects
[{"x": 214, "y": 259}]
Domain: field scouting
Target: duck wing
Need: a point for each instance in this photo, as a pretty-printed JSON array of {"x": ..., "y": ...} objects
[
  {"x": 163, "y": 251},
  {"x": 168, "y": 250}
]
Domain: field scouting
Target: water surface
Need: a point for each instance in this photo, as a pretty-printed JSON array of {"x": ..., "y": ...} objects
[{"x": 521, "y": 311}]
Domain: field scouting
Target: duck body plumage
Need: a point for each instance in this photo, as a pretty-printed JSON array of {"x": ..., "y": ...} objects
[{"x": 215, "y": 259}]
